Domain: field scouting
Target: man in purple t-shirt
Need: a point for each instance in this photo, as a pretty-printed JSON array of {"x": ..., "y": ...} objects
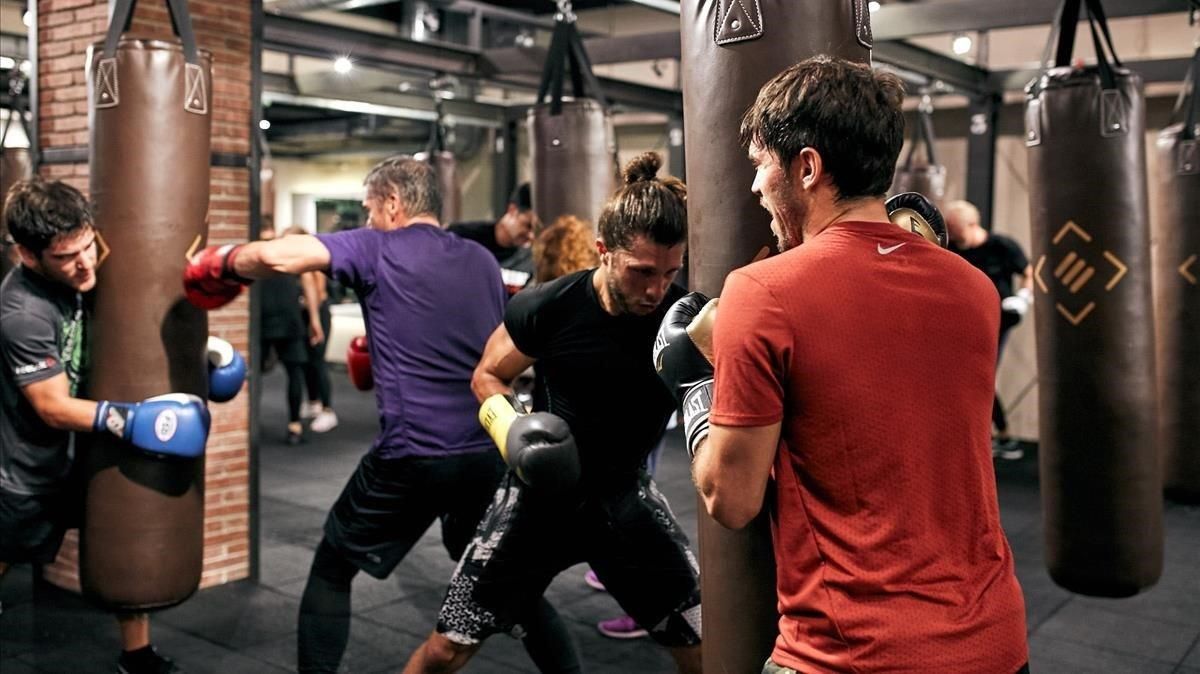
[{"x": 430, "y": 300}]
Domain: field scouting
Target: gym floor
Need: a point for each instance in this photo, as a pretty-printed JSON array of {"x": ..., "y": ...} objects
[{"x": 251, "y": 626}]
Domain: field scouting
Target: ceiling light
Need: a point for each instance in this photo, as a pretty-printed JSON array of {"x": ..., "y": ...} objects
[
  {"x": 7, "y": 63},
  {"x": 873, "y": 5},
  {"x": 25, "y": 67},
  {"x": 264, "y": 124},
  {"x": 342, "y": 65},
  {"x": 405, "y": 86},
  {"x": 961, "y": 44}
]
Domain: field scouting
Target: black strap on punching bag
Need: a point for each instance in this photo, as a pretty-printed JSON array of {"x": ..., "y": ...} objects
[
  {"x": 181, "y": 23},
  {"x": 567, "y": 56},
  {"x": 923, "y": 135}
]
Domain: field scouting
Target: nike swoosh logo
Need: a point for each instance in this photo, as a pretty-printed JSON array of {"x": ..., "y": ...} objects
[{"x": 889, "y": 249}]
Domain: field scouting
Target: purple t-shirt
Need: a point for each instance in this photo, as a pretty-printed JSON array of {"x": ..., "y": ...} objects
[{"x": 430, "y": 301}]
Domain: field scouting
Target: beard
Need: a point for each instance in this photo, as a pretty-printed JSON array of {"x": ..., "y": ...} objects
[
  {"x": 619, "y": 299},
  {"x": 787, "y": 217}
]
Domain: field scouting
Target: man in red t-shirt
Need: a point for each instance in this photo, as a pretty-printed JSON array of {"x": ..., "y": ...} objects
[{"x": 853, "y": 378}]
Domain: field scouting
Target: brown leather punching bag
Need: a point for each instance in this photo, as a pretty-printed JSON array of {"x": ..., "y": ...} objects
[
  {"x": 730, "y": 49},
  {"x": 573, "y": 148},
  {"x": 1176, "y": 236},
  {"x": 924, "y": 176},
  {"x": 150, "y": 105},
  {"x": 15, "y": 164},
  {"x": 1100, "y": 476},
  {"x": 446, "y": 167}
]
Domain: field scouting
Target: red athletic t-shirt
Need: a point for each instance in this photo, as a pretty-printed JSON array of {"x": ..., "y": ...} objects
[{"x": 876, "y": 351}]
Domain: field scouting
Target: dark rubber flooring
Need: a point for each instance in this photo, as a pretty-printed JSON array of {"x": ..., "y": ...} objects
[{"x": 250, "y": 626}]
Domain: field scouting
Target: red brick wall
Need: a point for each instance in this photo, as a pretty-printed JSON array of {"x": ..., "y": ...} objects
[{"x": 65, "y": 30}]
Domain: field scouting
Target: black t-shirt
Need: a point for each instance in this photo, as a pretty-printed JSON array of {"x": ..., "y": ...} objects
[
  {"x": 279, "y": 307},
  {"x": 516, "y": 262},
  {"x": 1000, "y": 258},
  {"x": 596, "y": 371},
  {"x": 42, "y": 334}
]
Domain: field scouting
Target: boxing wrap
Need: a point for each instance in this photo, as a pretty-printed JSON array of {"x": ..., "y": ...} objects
[
  {"x": 209, "y": 279},
  {"x": 683, "y": 359},
  {"x": 358, "y": 364},
  {"x": 175, "y": 424},
  {"x": 538, "y": 447},
  {"x": 913, "y": 212},
  {"x": 226, "y": 370}
]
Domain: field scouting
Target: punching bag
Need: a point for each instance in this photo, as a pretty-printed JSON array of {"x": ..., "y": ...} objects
[
  {"x": 572, "y": 145},
  {"x": 729, "y": 50},
  {"x": 15, "y": 164},
  {"x": 446, "y": 167},
  {"x": 1176, "y": 235},
  {"x": 1100, "y": 474},
  {"x": 150, "y": 112},
  {"x": 925, "y": 176}
]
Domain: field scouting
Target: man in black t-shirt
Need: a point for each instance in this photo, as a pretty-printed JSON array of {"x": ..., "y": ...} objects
[
  {"x": 601, "y": 412},
  {"x": 508, "y": 239},
  {"x": 1001, "y": 259}
]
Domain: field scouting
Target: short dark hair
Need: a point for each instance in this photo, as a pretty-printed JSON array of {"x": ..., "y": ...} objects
[
  {"x": 36, "y": 211},
  {"x": 847, "y": 112},
  {"x": 645, "y": 204},
  {"x": 413, "y": 181},
  {"x": 522, "y": 197}
]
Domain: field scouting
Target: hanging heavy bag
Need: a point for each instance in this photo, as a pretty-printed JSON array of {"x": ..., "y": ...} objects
[
  {"x": 729, "y": 50},
  {"x": 571, "y": 142},
  {"x": 1100, "y": 474},
  {"x": 446, "y": 167},
  {"x": 149, "y": 107},
  {"x": 15, "y": 164},
  {"x": 925, "y": 176},
  {"x": 1176, "y": 236}
]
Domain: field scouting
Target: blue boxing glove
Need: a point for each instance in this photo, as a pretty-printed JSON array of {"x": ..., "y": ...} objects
[
  {"x": 175, "y": 424},
  {"x": 226, "y": 370}
]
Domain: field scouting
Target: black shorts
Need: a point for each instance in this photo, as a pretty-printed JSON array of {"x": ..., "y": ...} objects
[
  {"x": 631, "y": 540},
  {"x": 32, "y": 526},
  {"x": 387, "y": 505}
]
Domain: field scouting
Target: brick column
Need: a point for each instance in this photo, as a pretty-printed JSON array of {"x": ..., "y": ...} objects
[{"x": 65, "y": 29}]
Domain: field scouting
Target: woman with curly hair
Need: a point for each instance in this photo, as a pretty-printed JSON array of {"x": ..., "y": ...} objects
[{"x": 568, "y": 245}]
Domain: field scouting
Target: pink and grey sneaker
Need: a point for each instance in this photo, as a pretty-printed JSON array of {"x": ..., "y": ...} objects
[
  {"x": 593, "y": 581},
  {"x": 623, "y": 627}
]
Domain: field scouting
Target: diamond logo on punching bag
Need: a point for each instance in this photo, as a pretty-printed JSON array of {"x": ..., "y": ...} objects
[
  {"x": 739, "y": 22},
  {"x": 1074, "y": 273}
]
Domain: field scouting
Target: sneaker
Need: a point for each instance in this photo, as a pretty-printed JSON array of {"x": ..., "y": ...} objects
[
  {"x": 294, "y": 438},
  {"x": 309, "y": 409},
  {"x": 1008, "y": 449},
  {"x": 621, "y": 628},
  {"x": 145, "y": 661},
  {"x": 593, "y": 581},
  {"x": 325, "y": 421}
]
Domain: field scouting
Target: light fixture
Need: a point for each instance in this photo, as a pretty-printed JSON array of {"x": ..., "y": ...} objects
[
  {"x": 264, "y": 124},
  {"x": 26, "y": 67},
  {"x": 961, "y": 44},
  {"x": 27, "y": 18},
  {"x": 873, "y": 6},
  {"x": 342, "y": 65},
  {"x": 405, "y": 87}
]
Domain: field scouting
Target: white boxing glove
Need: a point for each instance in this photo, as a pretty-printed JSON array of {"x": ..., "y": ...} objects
[{"x": 1018, "y": 304}]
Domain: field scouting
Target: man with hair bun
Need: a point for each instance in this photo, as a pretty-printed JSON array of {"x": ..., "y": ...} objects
[{"x": 576, "y": 490}]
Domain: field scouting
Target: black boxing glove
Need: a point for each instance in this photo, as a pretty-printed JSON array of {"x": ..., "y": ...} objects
[{"x": 683, "y": 359}]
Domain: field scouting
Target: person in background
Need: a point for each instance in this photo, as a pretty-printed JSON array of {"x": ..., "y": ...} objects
[
  {"x": 508, "y": 238},
  {"x": 282, "y": 338},
  {"x": 565, "y": 247},
  {"x": 319, "y": 406},
  {"x": 1000, "y": 258}
]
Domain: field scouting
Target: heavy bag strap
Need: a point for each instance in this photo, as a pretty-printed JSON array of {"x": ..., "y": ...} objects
[
  {"x": 1063, "y": 36},
  {"x": 16, "y": 111},
  {"x": 567, "y": 56},
  {"x": 923, "y": 134},
  {"x": 1188, "y": 103},
  {"x": 437, "y": 132},
  {"x": 107, "y": 83}
]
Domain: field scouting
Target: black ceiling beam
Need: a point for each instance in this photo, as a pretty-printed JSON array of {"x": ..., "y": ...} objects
[
  {"x": 1159, "y": 70},
  {"x": 962, "y": 76},
  {"x": 897, "y": 21}
]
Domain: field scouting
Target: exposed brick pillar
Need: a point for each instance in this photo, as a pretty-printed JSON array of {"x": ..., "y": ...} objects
[{"x": 65, "y": 29}]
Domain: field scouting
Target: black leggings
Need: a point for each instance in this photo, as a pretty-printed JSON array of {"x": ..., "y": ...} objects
[
  {"x": 316, "y": 371},
  {"x": 325, "y": 621},
  {"x": 999, "y": 419}
]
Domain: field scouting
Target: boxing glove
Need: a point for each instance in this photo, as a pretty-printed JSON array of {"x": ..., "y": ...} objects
[
  {"x": 226, "y": 370},
  {"x": 538, "y": 447},
  {"x": 358, "y": 364},
  {"x": 1018, "y": 304},
  {"x": 683, "y": 359},
  {"x": 209, "y": 281},
  {"x": 174, "y": 425},
  {"x": 913, "y": 212}
]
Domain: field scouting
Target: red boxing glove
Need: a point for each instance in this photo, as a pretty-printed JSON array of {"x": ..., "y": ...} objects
[
  {"x": 209, "y": 280},
  {"x": 358, "y": 364}
]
